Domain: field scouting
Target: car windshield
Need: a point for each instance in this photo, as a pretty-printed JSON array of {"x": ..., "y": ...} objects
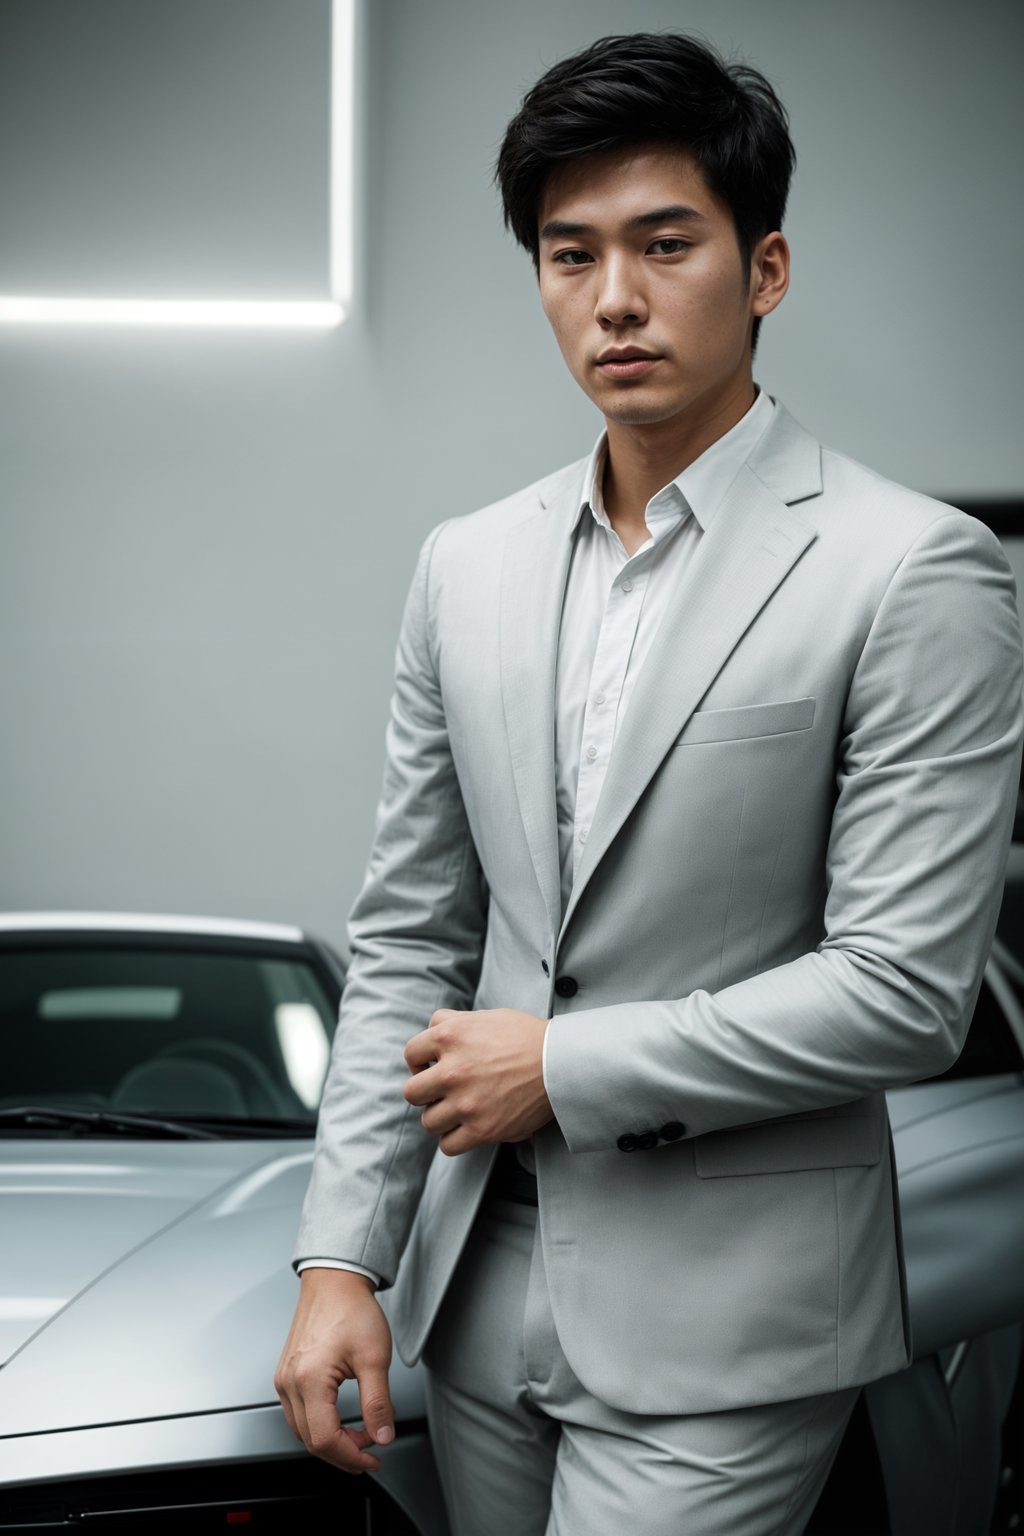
[{"x": 164, "y": 1032}]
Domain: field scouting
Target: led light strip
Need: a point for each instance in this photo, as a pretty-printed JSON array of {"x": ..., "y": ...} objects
[
  {"x": 286, "y": 314},
  {"x": 316, "y": 315}
]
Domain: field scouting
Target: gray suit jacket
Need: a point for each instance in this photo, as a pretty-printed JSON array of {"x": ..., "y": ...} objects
[{"x": 785, "y": 903}]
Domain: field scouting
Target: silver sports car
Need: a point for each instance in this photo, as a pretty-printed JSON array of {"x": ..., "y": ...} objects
[{"x": 158, "y": 1094}]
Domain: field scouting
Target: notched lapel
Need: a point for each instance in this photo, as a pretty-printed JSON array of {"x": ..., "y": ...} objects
[
  {"x": 751, "y": 545},
  {"x": 534, "y": 572}
]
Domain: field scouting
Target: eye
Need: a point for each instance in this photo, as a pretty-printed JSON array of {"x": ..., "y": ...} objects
[
  {"x": 572, "y": 258},
  {"x": 669, "y": 245}
]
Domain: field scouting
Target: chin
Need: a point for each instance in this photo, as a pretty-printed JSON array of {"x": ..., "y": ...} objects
[{"x": 640, "y": 413}]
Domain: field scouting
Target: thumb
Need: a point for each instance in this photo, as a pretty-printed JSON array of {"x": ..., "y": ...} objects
[{"x": 375, "y": 1403}]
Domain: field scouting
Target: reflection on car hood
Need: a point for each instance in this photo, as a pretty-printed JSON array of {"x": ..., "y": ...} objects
[
  {"x": 960, "y": 1157},
  {"x": 148, "y": 1280}
]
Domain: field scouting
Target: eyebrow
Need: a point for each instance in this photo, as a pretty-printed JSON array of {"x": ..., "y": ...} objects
[{"x": 562, "y": 229}]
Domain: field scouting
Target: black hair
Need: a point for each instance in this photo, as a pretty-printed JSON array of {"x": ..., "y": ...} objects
[{"x": 653, "y": 88}]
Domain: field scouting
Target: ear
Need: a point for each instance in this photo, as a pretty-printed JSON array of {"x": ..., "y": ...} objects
[{"x": 769, "y": 273}]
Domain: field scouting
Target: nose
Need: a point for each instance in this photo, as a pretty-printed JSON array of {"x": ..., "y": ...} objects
[{"x": 620, "y": 297}]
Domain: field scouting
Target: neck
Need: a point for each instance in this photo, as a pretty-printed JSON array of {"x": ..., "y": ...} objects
[{"x": 642, "y": 459}]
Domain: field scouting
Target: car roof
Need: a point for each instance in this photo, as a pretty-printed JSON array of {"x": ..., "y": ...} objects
[{"x": 148, "y": 922}]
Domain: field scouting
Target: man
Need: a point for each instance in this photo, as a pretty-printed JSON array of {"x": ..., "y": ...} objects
[{"x": 700, "y": 775}]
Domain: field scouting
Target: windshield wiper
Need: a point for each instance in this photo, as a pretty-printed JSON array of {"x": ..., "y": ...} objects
[
  {"x": 256, "y": 1125},
  {"x": 41, "y": 1117}
]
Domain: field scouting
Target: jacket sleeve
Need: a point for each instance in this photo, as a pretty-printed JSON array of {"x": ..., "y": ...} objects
[
  {"x": 928, "y": 766},
  {"x": 416, "y": 936}
]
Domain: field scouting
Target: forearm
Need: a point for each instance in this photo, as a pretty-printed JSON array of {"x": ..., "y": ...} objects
[{"x": 824, "y": 1029}]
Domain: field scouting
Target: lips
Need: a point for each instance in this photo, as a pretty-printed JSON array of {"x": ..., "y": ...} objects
[{"x": 627, "y": 362}]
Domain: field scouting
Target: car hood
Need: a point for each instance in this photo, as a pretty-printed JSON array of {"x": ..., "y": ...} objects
[{"x": 148, "y": 1280}]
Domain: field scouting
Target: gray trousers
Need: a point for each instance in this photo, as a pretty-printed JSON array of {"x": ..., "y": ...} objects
[{"x": 524, "y": 1450}]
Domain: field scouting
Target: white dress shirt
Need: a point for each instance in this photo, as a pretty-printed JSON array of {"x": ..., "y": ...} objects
[
  {"x": 612, "y": 608},
  {"x": 613, "y": 605}
]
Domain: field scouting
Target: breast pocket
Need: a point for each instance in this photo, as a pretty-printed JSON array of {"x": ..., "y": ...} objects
[{"x": 748, "y": 721}]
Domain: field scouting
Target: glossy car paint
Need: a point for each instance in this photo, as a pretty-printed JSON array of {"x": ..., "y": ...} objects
[
  {"x": 960, "y": 1158},
  {"x": 166, "y": 1267}
]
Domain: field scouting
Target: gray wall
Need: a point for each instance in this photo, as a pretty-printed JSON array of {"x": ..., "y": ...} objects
[{"x": 205, "y": 539}]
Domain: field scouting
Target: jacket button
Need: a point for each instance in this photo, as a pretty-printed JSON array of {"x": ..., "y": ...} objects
[
  {"x": 627, "y": 1143},
  {"x": 672, "y": 1131},
  {"x": 646, "y": 1140},
  {"x": 566, "y": 986}
]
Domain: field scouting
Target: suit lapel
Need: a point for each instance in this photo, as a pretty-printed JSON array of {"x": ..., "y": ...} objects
[
  {"x": 534, "y": 571},
  {"x": 752, "y": 543}
]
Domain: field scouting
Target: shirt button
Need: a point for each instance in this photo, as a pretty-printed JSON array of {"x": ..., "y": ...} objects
[
  {"x": 627, "y": 585},
  {"x": 591, "y": 754},
  {"x": 599, "y": 698},
  {"x": 582, "y": 834}
]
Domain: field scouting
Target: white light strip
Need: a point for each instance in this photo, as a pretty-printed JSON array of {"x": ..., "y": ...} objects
[
  {"x": 315, "y": 314},
  {"x": 312, "y": 315},
  {"x": 342, "y": 200}
]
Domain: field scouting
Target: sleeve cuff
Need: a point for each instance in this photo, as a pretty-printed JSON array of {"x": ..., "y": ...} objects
[{"x": 355, "y": 1269}]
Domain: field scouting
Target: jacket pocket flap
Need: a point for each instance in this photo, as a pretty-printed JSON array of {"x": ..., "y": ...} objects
[
  {"x": 789, "y": 1146},
  {"x": 750, "y": 720}
]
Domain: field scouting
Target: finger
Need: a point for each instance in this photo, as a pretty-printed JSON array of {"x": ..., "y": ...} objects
[
  {"x": 330, "y": 1441},
  {"x": 459, "y": 1139},
  {"x": 421, "y": 1051},
  {"x": 301, "y": 1424},
  {"x": 439, "y": 1119},
  {"x": 375, "y": 1404},
  {"x": 288, "y": 1414},
  {"x": 362, "y": 1442},
  {"x": 423, "y": 1088},
  {"x": 440, "y": 1015}
]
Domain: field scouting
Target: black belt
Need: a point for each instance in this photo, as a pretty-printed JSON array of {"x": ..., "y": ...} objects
[{"x": 510, "y": 1180}]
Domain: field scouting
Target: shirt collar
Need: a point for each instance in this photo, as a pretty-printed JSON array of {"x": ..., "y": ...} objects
[{"x": 702, "y": 485}]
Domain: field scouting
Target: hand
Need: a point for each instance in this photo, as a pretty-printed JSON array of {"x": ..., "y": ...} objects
[
  {"x": 479, "y": 1076},
  {"x": 339, "y": 1333}
]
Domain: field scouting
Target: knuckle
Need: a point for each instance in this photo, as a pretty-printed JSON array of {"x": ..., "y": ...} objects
[{"x": 375, "y": 1389}]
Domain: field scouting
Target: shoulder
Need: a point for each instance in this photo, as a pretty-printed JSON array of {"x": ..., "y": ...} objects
[
  {"x": 854, "y": 508},
  {"x": 898, "y": 521}
]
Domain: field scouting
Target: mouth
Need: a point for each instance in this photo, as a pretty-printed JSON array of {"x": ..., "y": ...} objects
[{"x": 627, "y": 362}]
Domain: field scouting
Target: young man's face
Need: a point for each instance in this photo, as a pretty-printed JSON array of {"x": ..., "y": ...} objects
[{"x": 643, "y": 282}]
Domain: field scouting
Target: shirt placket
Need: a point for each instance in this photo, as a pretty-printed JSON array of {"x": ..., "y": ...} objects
[{"x": 611, "y": 661}]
